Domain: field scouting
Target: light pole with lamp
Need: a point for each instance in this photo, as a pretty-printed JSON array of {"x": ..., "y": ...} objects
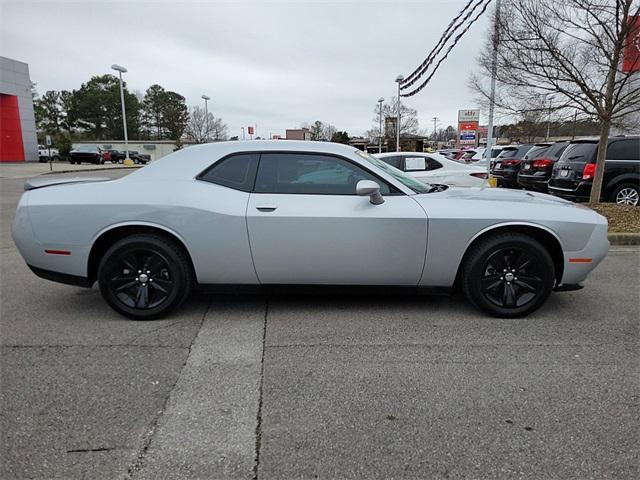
[
  {"x": 380, "y": 101},
  {"x": 399, "y": 79},
  {"x": 206, "y": 115},
  {"x": 551, "y": 97},
  {"x": 120, "y": 69}
]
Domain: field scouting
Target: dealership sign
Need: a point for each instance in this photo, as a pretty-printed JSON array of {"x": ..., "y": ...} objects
[
  {"x": 468, "y": 116},
  {"x": 468, "y": 127}
]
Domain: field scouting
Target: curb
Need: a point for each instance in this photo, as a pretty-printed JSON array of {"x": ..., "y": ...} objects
[{"x": 624, "y": 238}]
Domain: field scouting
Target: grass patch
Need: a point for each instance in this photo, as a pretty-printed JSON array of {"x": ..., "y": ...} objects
[{"x": 622, "y": 218}]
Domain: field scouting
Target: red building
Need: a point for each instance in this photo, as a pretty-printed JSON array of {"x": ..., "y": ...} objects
[{"x": 18, "y": 139}]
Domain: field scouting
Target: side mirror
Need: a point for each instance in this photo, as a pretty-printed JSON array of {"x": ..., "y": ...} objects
[{"x": 369, "y": 188}]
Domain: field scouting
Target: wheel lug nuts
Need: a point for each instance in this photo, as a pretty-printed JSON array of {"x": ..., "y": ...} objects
[
  {"x": 501, "y": 278},
  {"x": 151, "y": 279},
  {"x": 139, "y": 271},
  {"x": 137, "y": 279}
]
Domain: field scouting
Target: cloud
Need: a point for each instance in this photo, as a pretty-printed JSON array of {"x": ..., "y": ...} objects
[{"x": 271, "y": 63}]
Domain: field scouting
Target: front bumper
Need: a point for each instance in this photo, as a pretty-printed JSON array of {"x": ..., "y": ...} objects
[{"x": 578, "y": 264}]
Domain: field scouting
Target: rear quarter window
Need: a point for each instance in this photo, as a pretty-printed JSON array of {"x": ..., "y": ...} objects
[
  {"x": 579, "y": 152},
  {"x": 237, "y": 172},
  {"x": 627, "y": 149}
]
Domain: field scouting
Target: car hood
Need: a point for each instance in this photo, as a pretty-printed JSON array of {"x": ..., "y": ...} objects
[{"x": 498, "y": 195}]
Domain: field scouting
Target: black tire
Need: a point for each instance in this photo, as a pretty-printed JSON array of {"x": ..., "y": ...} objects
[
  {"x": 508, "y": 275},
  {"x": 166, "y": 284},
  {"x": 626, "y": 194}
]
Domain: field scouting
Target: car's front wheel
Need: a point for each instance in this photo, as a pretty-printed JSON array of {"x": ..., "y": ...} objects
[
  {"x": 145, "y": 276},
  {"x": 508, "y": 275}
]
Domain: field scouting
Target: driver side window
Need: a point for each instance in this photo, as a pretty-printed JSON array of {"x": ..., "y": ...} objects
[{"x": 311, "y": 174}]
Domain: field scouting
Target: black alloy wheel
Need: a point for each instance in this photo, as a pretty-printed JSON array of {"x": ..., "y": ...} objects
[
  {"x": 145, "y": 276},
  {"x": 511, "y": 277},
  {"x": 508, "y": 275}
]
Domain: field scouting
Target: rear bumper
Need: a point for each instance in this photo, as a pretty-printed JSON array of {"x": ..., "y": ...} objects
[
  {"x": 61, "y": 277},
  {"x": 580, "y": 193},
  {"x": 534, "y": 182},
  {"x": 507, "y": 178}
]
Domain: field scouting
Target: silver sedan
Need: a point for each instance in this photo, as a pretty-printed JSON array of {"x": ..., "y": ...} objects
[{"x": 274, "y": 215}]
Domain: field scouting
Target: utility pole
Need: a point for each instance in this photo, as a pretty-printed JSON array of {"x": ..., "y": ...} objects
[{"x": 492, "y": 98}]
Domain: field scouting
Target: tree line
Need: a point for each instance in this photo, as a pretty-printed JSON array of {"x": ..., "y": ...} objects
[{"x": 94, "y": 112}]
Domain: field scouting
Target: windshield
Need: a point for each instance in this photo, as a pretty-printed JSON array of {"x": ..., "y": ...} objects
[
  {"x": 86, "y": 148},
  {"x": 406, "y": 180}
]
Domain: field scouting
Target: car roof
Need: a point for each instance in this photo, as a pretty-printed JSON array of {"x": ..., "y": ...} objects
[{"x": 190, "y": 161}]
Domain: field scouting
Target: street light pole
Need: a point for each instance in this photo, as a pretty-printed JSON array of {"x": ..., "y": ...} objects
[
  {"x": 399, "y": 79},
  {"x": 206, "y": 115},
  {"x": 380, "y": 100},
  {"x": 492, "y": 98},
  {"x": 551, "y": 97},
  {"x": 120, "y": 71},
  {"x": 435, "y": 123}
]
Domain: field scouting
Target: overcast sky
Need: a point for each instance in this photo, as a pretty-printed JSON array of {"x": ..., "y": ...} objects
[{"x": 276, "y": 64}]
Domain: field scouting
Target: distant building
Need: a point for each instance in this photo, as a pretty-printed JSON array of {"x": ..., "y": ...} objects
[
  {"x": 297, "y": 134},
  {"x": 18, "y": 139}
]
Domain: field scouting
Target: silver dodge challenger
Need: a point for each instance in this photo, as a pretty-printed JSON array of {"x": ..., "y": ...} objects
[{"x": 286, "y": 215}]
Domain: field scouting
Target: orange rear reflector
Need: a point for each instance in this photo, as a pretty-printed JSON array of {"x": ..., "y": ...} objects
[
  {"x": 58, "y": 252},
  {"x": 580, "y": 260}
]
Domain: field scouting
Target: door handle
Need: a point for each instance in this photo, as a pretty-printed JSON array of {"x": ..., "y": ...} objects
[{"x": 266, "y": 208}]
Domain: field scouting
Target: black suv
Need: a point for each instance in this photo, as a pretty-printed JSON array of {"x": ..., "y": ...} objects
[
  {"x": 506, "y": 166},
  {"x": 536, "y": 167},
  {"x": 573, "y": 173}
]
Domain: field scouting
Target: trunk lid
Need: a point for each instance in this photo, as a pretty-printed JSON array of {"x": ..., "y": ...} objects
[{"x": 41, "y": 182}]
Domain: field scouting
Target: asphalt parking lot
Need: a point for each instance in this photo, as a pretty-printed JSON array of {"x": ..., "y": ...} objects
[{"x": 317, "y": 387}]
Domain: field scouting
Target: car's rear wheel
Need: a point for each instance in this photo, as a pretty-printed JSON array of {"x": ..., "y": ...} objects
[
  {"x": 626, "y": 194},
  {"x": 508, "y": 275},
  {"x": 145, "y": 276}
]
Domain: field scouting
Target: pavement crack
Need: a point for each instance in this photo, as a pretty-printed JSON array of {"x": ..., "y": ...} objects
[
  {"x": 87, "y": 450},
  {"x": 256, "y": 462},
  {"x": 138, "y": 463}
]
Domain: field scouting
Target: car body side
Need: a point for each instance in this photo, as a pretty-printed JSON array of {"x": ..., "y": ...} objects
[{"x": 211, "y": 221}]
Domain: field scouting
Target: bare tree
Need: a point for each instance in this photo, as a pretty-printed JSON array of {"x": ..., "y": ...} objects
[
  {"x": 571, "y": 52},
  {"x": 408, "y": 120},
  {"x": 320, "y": 131},
  {"x": 201, "y": 129}
]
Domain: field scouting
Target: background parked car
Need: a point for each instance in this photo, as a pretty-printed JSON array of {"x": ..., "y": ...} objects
[
  {"x": 506, "y": 166},
  {"x": 86, "y": 153},
  {"x": 536, "y": 167},
  {"x": 436, "y": 168},
  {"x": 480, "y": 154},
  {"x": 139, "y": 158},
  {"x": 573, "y": 173},
  {"x": 116, "y": 156},
  {"x": 43, "y": 154}
]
